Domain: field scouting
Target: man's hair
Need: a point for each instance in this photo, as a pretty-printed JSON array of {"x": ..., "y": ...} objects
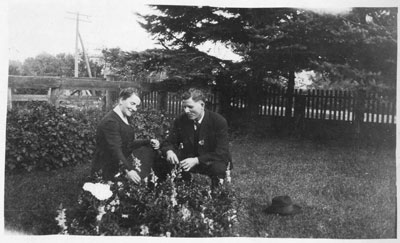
[
  {"x": 126, "y": 93},
  {"x": 195, "y": 94}
]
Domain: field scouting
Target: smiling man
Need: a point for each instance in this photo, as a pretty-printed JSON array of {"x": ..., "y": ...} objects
[{"x": 198, "y": 140}]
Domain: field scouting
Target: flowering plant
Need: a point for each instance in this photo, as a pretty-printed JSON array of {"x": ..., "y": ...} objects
[
  {"x": 98, "y": 190},
  {"x": 171, "y": 208}
]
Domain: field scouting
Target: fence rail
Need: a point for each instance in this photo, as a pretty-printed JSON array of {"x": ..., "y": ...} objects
[
  {"x": 55, "y": 86},
  {"x": 369, "y": 107}
]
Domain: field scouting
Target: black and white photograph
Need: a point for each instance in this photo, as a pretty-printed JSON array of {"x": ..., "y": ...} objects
[{"x": 219, "y": 120}]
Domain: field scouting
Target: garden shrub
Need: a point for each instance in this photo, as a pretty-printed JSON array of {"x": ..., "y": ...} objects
[
  {"x": 43, "y": 137},
  {"x": 170, "y": 208},
  {"x": 40, "y": 136},
  {"x": 149, "y": 123}
]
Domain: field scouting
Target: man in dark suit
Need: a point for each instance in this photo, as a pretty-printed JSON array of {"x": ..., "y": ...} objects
[{"x": 198, "y": 140}]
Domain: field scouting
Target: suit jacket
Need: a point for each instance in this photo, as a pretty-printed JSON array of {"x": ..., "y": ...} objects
[
  {"x": 213, "y": 143},
  {"x": 115, "y": 141}
]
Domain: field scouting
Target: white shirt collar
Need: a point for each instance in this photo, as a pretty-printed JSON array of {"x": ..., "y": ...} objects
[
  {"x": 119, "y": 113},
  {"x": 201, "y": 119}
]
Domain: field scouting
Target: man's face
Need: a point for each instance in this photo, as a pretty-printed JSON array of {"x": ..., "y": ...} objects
[
  {"x": 129, "y": 105},
  {"x": 193, "y": 109}
]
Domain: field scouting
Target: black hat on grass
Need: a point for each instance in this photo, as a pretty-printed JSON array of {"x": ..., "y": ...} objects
[{"x": 283, "y": 205}]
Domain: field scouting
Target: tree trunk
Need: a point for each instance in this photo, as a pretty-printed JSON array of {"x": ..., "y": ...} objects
[
  {"x": 251, "y": 100},
  {"x": 253, "y": 94},
  {"x": 224, "y": 94},
  {"x": 289, "y": 95}
]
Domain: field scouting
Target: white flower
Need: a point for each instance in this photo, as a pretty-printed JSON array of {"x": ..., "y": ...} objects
[
  {"x": 101, "y": 212},
  {"x": 228, "y": 173},
  {"x": 173, "y": 197},
  {"x": 99, "y": 190},
  {"x": 144, "y": 230},
  {"x": 61, "y": 220},
  {"x": 185, "y": 213},
  {"x": 115, "y": 201},
  {"x": 125, "y": 216},
  {"x": 153, "y": 177},
  {"x": 209, "y": 222},
  {"x": 174, "y": 202},
  {"x": 168, "y": 234},
  {"x": 232, "y": 218},
  {"x": 209, "y": 194},
  {"x": 137, "y": 163}
]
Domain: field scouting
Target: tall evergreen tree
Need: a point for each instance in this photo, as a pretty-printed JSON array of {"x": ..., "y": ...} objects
[{"x": 359, "y": 45}]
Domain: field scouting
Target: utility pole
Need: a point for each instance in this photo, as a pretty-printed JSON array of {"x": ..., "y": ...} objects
[
  {"x": 76, "y": 46},
  {"x": 77, "y": 39},
  {"x": 86, "y": 57}
]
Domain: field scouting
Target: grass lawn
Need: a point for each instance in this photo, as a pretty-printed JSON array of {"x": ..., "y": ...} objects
[{"x": 344, "y": 193}]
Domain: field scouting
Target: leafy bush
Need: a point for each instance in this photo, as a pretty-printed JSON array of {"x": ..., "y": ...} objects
[
  {"x": 149, "y": 123},
  {"x": 40, "y": 136},
  {"x": 170, "y": 208},
  {"x": 44, "y": 137}
]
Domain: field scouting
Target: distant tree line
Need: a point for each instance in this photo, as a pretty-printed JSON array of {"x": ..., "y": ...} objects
[{"x": 62, "y": 65}]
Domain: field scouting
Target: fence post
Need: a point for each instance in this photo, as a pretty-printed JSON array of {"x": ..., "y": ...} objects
[
  {"x": 162, "y": 100},
  {"x": 53, "y": 96},
  {"x": 359, "y": 109},
  {"x": 108, "y": 100},
  {"x": 9, "y": 99},
  {"x": 108, "y": 95},
  {"x": 299, "y": 112}
]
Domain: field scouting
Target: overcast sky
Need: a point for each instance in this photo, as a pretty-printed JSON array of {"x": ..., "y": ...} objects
[{"x": 36, "y": 26}]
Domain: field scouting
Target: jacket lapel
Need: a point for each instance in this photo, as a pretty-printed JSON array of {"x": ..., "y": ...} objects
[
  {"x": 189, "y": 130},
  {"x": 204, "y": 125}
]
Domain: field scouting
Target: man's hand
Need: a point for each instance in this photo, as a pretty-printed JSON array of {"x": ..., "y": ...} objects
[
  {"x": 188, "y": 163},
  {"x": 172, "y": 158},
  {"x": 155, "y": 144},
  {"x": 134, "y": 176}
]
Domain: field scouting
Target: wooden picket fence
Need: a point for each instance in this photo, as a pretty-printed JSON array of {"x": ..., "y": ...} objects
[
  {"x": 371, "y": 107},
  {"x": 171, "y": 102},
  {"x": 334, "y": 105}
]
